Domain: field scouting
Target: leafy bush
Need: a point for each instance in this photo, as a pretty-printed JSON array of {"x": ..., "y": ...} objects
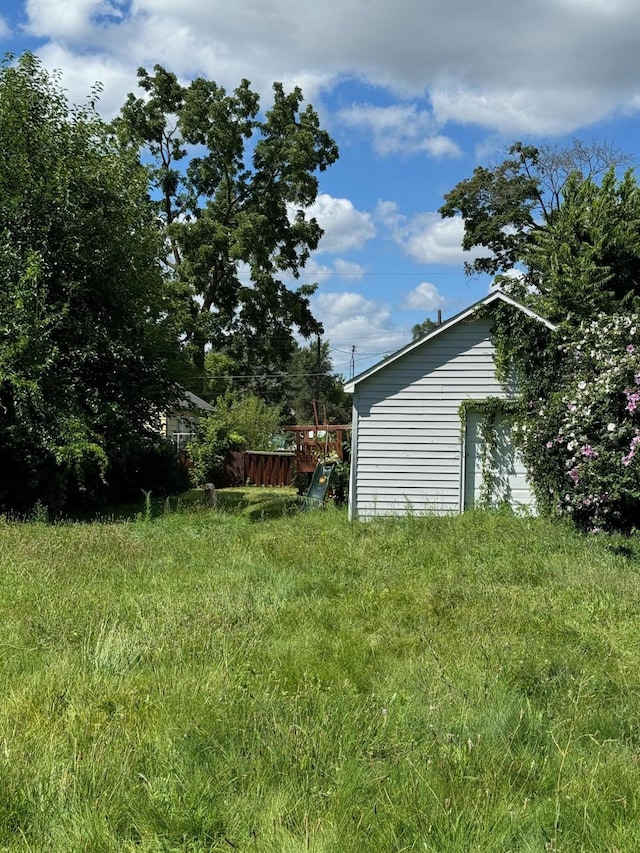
[
  {"x": 248, "y": 416},
  {"x": 209, "y": 449},
  {"x": 582, "y": 443},
  {"x": 155, "y": 468}
]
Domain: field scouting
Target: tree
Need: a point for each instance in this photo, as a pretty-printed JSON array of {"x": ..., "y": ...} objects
[
  {"x": 503, "y": 207},
  {"x": 310, "y": 378},
  {"x": 232, "y": 188},
  {"x": 422, "y": 329},
  {"x": 248, "y": 416},
  {"x": 586, "y": 261},
  {"x": 88, "y": 345},
  {"x": 240, "y": 421}
]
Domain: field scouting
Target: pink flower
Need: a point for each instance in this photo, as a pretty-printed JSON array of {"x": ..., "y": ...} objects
[
  {"x": 574, "y": 473},
  {"x": 626, "y": 460},
  {"x": 630, "y": 348},
  {"x": 588, "y": 452},
  {"x": 633, "y": 398}
]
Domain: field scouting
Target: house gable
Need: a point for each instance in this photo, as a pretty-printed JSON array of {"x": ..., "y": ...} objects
[{"x": 468, "y": 315}]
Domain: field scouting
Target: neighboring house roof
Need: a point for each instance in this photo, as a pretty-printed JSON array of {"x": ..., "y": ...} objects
[
  {"x": 191, "y": 402},
  {"x": 495, "y": 296}
]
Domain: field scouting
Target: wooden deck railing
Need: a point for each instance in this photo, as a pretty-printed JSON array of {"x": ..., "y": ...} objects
[{"x": 312, "y": 441}]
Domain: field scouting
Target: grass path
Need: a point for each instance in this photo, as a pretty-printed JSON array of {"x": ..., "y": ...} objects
[{"x": 218, "y": 680}]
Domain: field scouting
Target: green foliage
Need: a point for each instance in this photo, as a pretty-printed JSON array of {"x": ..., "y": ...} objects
[
  {"x": 155, "y": 467},
  {"x": 422, "y": 329},
  {"x": 586, "y": 266},
  {"x": 310, "y": 378},
  {"x": 219, "y": 368},
  {"x": 497, "y": 206},
  {"x": 240, "y": 421},
  {"x": 209, "y": 449},
  {"x": 582, "y": 440},
  {"x": 88, "y": 344},
  {"x": 235, "y": 209},
  {"x": 583, "y": 266},
  {"x": 504, "y": 207},
  {"x": 587, "y": 259},
  {"x": 250, "y": 417},
  {"x": 211, "y": 680}
]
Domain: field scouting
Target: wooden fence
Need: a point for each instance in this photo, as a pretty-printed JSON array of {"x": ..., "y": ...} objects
[
  {"x": 258, "y": 468},
  {"x": 276, "y": 468},
  {"x": 269, "y": 469}
]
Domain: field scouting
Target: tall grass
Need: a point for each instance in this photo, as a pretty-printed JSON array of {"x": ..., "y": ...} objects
[{"x": 218, "y": 680}]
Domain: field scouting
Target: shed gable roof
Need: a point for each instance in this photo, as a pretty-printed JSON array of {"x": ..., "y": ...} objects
[{"x": 496, "y": 296}]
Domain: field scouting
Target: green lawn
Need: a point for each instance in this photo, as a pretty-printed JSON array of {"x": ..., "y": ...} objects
[{"x": 258, "y": 679}]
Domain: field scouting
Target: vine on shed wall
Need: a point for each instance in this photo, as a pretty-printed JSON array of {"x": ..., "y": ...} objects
[{"x": 490, "y": 409}]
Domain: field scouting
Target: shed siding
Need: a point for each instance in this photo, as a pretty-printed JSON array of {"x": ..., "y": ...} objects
[{"x": 408, "y": 454}]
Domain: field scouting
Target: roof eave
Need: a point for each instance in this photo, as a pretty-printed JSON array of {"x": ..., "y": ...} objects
[{"x": 496, "y": 296}]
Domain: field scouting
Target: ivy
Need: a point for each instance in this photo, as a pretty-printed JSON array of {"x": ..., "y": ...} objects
[{"x": 490, "y": 410}]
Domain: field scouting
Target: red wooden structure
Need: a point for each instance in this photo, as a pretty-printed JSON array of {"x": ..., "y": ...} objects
[
  {"x": 256, "y": 468},
  {"x": 268, "y": 468},
  {"x": 314, "y": 441}
]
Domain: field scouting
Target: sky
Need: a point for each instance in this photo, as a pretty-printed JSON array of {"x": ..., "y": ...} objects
[{"x": 416, "y": 93}]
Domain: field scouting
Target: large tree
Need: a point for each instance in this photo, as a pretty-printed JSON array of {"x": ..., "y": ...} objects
[
  {"x": 88, "y": 344},
  {"x": 586, "y": 261},
  {"x": 503, "y": 207},
  {"x": 232, "y": 186}
]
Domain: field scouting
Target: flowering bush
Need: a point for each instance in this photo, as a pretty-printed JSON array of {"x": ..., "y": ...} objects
[{"x": 582, "y": 443}]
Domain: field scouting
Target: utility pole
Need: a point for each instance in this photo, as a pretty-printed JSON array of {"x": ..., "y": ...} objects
[
  {"x": 318, "y": 353},
  {"x": 353, "y": 360}
]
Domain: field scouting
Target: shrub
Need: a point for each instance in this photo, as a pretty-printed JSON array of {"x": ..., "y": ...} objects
[
  {"x": 209, "y": 449},
  {"x": 582, "y": 443},
  {"x": 248, "y": 416}
]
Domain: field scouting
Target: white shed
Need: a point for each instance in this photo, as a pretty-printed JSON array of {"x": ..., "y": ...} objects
[{"x": 412, "y": 451}]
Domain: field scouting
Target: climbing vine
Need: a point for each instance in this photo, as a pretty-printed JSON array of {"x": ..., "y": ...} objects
[{"x": 490, "y": 409}]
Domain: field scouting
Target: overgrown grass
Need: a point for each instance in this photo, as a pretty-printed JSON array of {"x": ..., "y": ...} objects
[{"x": 234, "y": 679}]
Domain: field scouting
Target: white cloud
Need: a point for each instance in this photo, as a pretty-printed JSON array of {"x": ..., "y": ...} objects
[
  {"x": 73, "y": 20},
  {"x": 402, "y": 128},
  {"x": 82, "y": 72},
  {"x": 337, "y": 270},
  {"x": 344, "y": 227},
  {"x": 516, "y": 111},
  {"x": 424, "y": 297},
  {"x": 352, "y": 319},
  {"x": 426, "y": 237},
  {"x": 493, "y": 64},
  {"x": 431, "y": 239},
  {"x": 441, "y": 146},
  {"x": 347, "y": 269},
  {"x": 5, "y": 29}
]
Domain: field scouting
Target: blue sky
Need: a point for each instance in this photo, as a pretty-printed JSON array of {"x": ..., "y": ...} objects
[{"x": 416, "y": 93}]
